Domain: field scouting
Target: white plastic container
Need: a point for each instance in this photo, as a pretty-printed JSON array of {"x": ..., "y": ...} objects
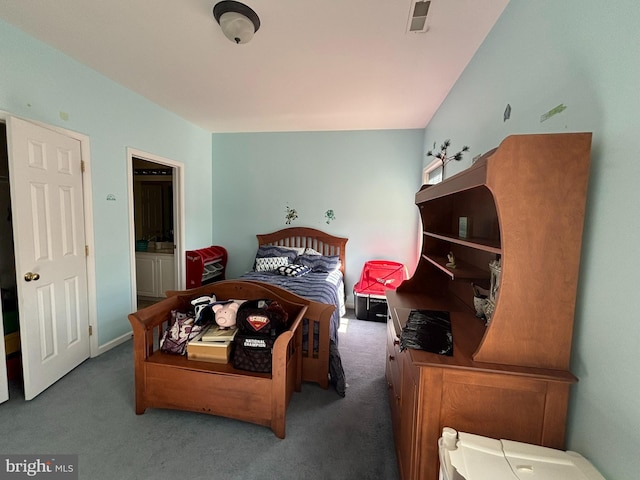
[{"x": 464, "y": 456}]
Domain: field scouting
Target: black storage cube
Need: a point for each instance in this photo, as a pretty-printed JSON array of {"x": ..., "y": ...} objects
[{"x": 370, "y": 307}]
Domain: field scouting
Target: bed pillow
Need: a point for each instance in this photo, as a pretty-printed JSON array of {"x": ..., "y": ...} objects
[
  {"x": 320, "y": 263},
  {"x": 268, "y": 264},
  {"x": 293, "y": 270},
  {"x": 298, "y": 250},
  {"x": 276, "y": 251},
  {"x": 310, "y": 251}
]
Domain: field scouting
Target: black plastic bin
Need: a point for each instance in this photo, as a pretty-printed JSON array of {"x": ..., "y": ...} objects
[{"x": 369, "y": 293}]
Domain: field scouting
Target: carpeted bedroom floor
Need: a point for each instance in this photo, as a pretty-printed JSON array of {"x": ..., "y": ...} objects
[{"x": 90, "y": 412}]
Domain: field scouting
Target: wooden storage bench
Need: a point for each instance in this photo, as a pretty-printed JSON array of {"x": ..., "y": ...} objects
[{"x": 164, "y": 380}]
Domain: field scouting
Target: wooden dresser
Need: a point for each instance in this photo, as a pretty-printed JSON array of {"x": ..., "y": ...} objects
[{"x": 524, "y": 203}]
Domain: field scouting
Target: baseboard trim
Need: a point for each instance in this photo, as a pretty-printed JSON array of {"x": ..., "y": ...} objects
[{"x": 114, "y": 343}]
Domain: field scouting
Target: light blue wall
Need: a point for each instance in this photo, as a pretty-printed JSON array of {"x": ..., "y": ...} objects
[
  {"x": 582, "y": 54},
  {"x": 368, "y": 178},
  {"x": 38, "y": 82}
]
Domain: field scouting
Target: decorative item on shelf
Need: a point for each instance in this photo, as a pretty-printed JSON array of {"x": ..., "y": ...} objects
[
  {"x": 480, "y": 296},
  {"x": 329, "y": 216},
  {"x": 442, "y": 154},
  {"x": 478, "y": 305},
  {"x": 291, "y": 215},
  {"x": 464, "y": 227},
  {"x": 496, "y": 268},
  {"x": 488, "y": 309},
  {"x": 452, "y": 260}
]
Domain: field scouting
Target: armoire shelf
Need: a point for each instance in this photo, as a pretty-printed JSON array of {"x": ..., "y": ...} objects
[
  {"x": 525, "y": 204},
  {"x": 461, "y": 271},
  {"x": 488, "y": 245}
]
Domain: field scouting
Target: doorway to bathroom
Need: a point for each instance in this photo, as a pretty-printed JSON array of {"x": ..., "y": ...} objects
[{"x": 156, "y": 223}]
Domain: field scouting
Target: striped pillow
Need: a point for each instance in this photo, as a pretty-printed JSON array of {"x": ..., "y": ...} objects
[
  {"x": 275, "y": 251},
  {"x": 268, "y": 264},
  {"x": 320, "y": 263}
]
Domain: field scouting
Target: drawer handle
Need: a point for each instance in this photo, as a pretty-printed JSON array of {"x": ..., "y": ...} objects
[
  {"x": 392, "y": 357},
  {"x": 396, "y": 341}
]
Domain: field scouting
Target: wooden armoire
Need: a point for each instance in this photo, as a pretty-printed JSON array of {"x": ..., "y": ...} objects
[{"x": 523, "y": 204}]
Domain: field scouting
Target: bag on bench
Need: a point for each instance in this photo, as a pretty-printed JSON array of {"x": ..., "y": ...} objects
[
  {"x": 181, "y": 330},
  {"x": 259, "y": 323}
]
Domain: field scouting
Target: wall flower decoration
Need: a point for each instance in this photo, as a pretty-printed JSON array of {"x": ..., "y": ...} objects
[
  {"x": 329, "y": 216},
  {"x": 291, "y": 215}
]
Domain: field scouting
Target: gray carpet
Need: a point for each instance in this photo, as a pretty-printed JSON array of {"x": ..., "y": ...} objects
[{"x": 90, "y": 412}]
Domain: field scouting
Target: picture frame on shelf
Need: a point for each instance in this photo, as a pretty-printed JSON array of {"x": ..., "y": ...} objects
[{"x": 464, "y": 227}]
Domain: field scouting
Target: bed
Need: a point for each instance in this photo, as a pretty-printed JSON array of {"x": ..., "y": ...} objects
[{"x": 322, "y": 283}]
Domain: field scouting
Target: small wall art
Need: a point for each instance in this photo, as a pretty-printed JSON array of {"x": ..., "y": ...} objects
[
  {"x": 291, "y": 215},
  {"x": 329, "y": 216}
]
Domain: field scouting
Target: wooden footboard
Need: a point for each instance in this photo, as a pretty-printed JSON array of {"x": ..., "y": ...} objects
[
  {"x": 315, "y": 361},
  {"x": 173, "y": 381}
]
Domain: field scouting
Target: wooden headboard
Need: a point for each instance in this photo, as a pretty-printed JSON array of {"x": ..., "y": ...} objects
[{"x": 322, "y": 242}]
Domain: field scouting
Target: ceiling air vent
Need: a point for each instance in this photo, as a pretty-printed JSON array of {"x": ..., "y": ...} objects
[{"x": 418, "y": 16}]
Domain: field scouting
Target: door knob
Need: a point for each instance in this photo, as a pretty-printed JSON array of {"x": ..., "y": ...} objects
[{"x": 31, "y": 276}]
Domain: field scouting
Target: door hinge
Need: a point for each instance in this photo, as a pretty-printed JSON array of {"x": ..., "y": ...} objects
[
  {"x": 90, "y": 330},
  {"x": 86, "y": 250},
  {"x": 82, "y": 166}
]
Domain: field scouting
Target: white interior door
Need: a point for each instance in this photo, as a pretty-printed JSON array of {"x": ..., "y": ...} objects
[
  {"x": 51, "y": 265},
  {"x": 4, "y": 381}
]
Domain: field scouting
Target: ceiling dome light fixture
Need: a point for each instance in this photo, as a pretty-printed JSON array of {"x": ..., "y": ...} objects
[{"x": 237, "y": 21}]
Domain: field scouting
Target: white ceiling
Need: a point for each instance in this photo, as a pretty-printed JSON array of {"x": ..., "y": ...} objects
[{"x": 323, "y": 65}]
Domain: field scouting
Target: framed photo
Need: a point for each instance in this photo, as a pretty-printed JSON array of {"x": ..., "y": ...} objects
[{"x": 464, "y": 227}]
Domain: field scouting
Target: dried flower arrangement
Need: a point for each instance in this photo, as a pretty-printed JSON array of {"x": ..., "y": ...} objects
[{"x": 442, "y": 154}]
